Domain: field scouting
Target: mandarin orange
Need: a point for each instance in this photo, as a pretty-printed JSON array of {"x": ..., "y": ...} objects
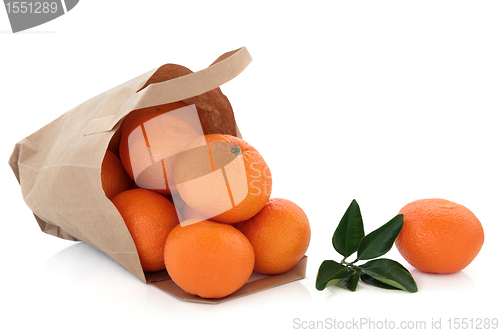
[
  {"x": 150, "y": 138},
  {"x": 439, "y": 236},
  {"x": 114, "y": 178},
  {"x": 223, "y": 178},
  {"x": 208, "y": 258},
  {"x": 149, "y": 217},
  {"x": 280, "y": 234}
]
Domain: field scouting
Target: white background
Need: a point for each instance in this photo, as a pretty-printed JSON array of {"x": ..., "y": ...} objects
[{"x": 384, "y": 102}]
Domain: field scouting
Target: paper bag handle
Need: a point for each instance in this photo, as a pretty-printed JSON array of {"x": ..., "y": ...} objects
[{"x": 177, "y": 89}]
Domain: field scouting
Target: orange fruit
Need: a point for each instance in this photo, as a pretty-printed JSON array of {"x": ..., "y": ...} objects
[
  {"x": 114, "y": 178},
  {"x": 280, "y": 234},
  {"x": 439, "y": 236},
  {"x": 208, "y": 259},
  {"x": 222, "y": 178},
  {"x": 150, "y": 138},
  {"x": 149, "y": 217},
  {"x": 148, "y": 113}
]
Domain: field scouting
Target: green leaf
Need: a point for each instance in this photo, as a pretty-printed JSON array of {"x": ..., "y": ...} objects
[
  {"x": 374, "y": 282},
  {"x": 388, "y": 272},
  {"x": 330, "y": 273},
  {"x": 349, "y": 232},
  {"x": 351, "y": 282},
  {"x": 380, "y": 241}
]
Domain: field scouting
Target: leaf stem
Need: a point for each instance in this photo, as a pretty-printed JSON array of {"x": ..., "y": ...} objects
[{"x": 349, "y": 263}]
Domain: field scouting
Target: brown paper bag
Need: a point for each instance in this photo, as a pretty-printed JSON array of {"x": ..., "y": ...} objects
[{"x": 58, "y": 167}]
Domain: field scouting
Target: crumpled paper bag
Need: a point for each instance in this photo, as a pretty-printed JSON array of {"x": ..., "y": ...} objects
[{"x": 58, "y": 167}]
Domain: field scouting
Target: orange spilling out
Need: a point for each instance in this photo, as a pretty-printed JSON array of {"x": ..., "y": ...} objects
[
  {"x": 209, "y": 259},
  {"x": 223, "y": 178},
  {"x": 199, "y": 205}
]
